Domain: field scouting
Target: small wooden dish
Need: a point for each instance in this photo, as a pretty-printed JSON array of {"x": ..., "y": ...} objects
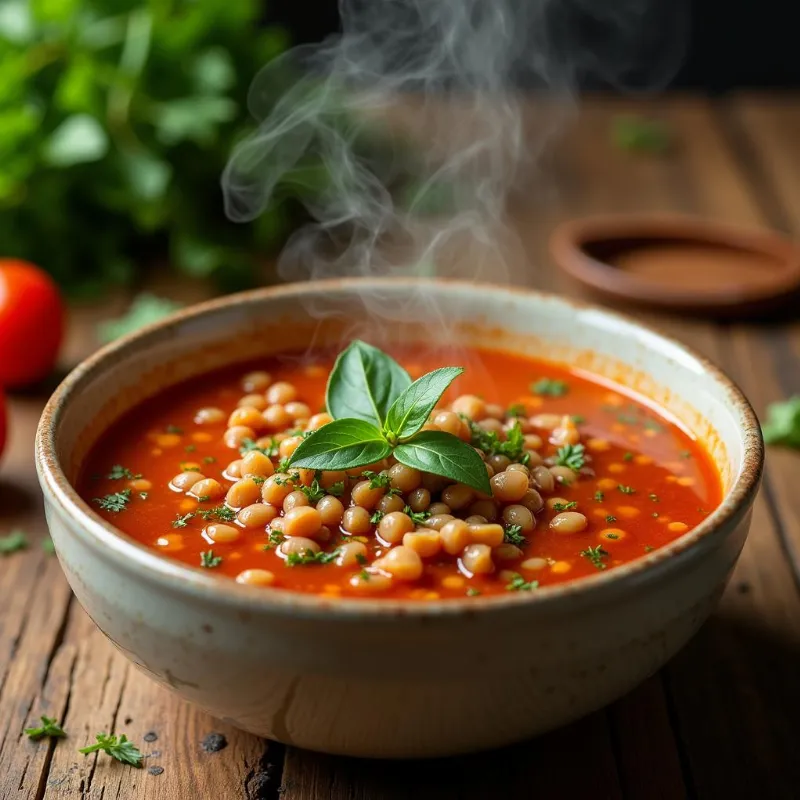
[{"x": 679, "y": 263}]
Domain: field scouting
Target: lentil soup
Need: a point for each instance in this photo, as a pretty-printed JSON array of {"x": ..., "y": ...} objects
[{"x": 584, "y": 477}]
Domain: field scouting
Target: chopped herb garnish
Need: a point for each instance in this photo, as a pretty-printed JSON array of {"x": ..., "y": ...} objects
[
  {"x": 626, "y": 489},
  {"x": 513, "y": 535},
  {"x": 685, "y": 454},
  {"x": 204, "y": 498},
  {"x": 282, "y": 479},
  {"x": 595, "y": 555},
  {"x": 221, "y": 512},
  {"x": 365, "y": 576},
  {"x": 599, "y": 497},
  {"x": 572, "y": 456},
  {"x": 118, "y": 473},
  {"x": 143, "y": 495},
  {"x": 611, "y": 518},
  {"x": 49, "y": 727},
  {"x": 377, "y": 480},
  {"x": 258, "y": 480},
  {"x": 627, "y": 457},
  {"x": 208, "y": 559},
  {"x": 187, "y": 466},
  {"x": 654, "y": 497},
  {"x": 190, "y": 448},
  {"x": 182, "y": 521},
  {"x": 209, "y": 459},
  {"x": 519, "y": 584},
  {"x": 472, "y": 592},
  {"x": 513, "y": 447},
  {"x": 48, "y": 546},
  {"x": 115, "y": 502},
  {"x": 516, "y": 410},
  {"x": 578, "y": 419},
  {"x": 314, "y": 493},
  {"x": 417, "y": 517},
  {"x": 274, "y": 539},
  {"x": 612, "y": 535},
  {"x": 173, "y": 429},
  {"x": 117, "y": 747},
  {"x": 545, "y": 387},
  {"x": 648, "y": 548},
  {"x": 652, "y": 425},
  {"x": 565, "y": 506},
  {"x": 249, "y": 445},
  {"x": 361, "y": 558},
  {"x": 376, "y": 517},
  {"x": 336, "y": 489},
  {"x": 302, "y": 559}
]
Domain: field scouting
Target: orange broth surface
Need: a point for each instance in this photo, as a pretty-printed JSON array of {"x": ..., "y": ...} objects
[{"x": 669, "y": 482}]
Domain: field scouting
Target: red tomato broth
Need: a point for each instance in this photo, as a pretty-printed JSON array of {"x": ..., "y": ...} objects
[{"x": 679, "y": 484}]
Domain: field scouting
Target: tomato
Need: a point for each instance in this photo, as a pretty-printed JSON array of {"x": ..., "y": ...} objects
[{"x": 31, "y": 323}]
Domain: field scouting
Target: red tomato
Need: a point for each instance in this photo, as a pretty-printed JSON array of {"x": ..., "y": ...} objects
[{"x": 31, "y": 323}]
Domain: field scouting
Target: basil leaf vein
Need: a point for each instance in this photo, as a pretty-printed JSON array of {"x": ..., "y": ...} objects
[
  {"x": 446, "y": 455},
  {"x": 341, "y": 444},
  {"x": 411, "y": 410},
  {"x": 364, "y": 383}
]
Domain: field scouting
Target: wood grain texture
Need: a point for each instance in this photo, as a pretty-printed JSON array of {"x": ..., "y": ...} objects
[{"x": 719, "y": 721}]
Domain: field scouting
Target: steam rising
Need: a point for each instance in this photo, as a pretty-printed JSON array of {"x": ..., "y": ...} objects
[{"x": 404, "y": 135}]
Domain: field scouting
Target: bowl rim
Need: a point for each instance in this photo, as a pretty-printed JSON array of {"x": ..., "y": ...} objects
[{"x": 130, "y": 555}]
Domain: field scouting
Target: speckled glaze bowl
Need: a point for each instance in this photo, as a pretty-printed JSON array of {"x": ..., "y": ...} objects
[{"x": 386, "y": 678}]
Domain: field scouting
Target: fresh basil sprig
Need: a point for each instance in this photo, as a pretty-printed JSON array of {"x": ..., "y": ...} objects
[{"x": 378, "y": 412}]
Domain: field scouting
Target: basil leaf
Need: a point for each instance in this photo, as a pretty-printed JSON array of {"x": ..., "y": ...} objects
[
  {"x": 341, "y": 444},
  {"x": 444, "y": 454},
  {"x": 410, "y": 411},
  {"x": 364, "y": 383}
]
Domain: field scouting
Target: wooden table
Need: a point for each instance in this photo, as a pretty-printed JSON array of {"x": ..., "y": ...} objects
[{"x": 721, "y": 720}]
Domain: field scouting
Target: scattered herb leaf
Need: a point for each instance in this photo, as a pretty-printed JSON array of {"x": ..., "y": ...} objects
[
  {"x": 182, "y": 521},
  {"x": 519, "y": 584},
  {"x": 654, "y": 497},
  {"x": 599, "y": 497},
  {"x": 117, "y": 747},
  {"x": 516, "y": 410},
  {"x": 48, "y": 546},
  {"x": 173, "y": 429},
  {"x": 565, "y": 506},
  {"x": 648, "y": 548},
  {"x": 417, "y": 517},
  {"x": 513, "y": 535},
  {"x": 376, "y": 517},
  {"x": 303, "y": 559},
  {"x": 49, "y": 727},
  {"x": 118, "y": 473},
  {"x": 472, "y": 592},
  {"x": 611, "y": 518},
  {"x": 208, "y": 559},
  {"x": 783, "y": 423},
  {"x": 13, "y": 541},
  {"x": 547, "y": 387},
  {"x": 627, "y": 457},
  {"x": 626, "y": 489},
  {"x": 143, "y": 310},
  {"x": 115, "y": 502},
  {"x": 572, "y": 456},
  {"x": 595, "y": 556},
  {"x": 377, "y": 480},
  {"x": 612, "y": 535}
]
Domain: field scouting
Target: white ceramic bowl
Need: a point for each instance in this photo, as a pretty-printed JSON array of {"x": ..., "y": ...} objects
[{"x": 386, "y": 678}]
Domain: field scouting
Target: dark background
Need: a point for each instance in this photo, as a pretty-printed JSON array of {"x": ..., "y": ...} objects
[{"x": 732, "y": 43}]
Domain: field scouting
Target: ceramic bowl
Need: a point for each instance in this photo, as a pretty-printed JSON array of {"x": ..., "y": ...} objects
[{"x": 386, "y": 678}]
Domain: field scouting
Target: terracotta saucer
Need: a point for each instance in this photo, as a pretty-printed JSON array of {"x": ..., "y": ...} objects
[{"x": 679, "y": 263}]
